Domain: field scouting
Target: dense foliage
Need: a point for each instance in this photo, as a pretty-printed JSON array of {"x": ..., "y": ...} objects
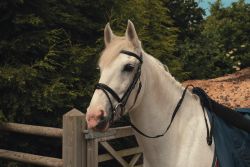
[
  {"x": 222, "y": 45},
  {"x": 49, "y": 50}
]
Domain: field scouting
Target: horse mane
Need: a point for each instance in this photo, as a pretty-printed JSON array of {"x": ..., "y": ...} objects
[{"x": 163, "y": 69}]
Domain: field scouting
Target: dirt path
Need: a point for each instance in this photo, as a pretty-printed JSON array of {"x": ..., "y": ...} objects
[{"x": 232, "y": 90}]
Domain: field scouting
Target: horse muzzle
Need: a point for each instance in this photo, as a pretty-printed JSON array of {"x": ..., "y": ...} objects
[{"x": 97, "y": 119}]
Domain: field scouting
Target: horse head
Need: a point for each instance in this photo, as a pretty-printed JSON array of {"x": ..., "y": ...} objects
[{"x": 119, "y": 85}]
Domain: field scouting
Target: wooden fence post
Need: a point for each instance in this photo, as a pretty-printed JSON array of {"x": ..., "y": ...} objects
[
  {"x": 92, "y": 153},
  {"x": 74, "y": 143}
]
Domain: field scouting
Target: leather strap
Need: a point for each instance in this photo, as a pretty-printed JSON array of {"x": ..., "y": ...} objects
[
  {"x": 172, "y": 118},
  {"x": 126, "y": 95},
  {"x": 132, "y": 54},
  {"x": 209, "y": 132},
  {"x": 108, "y": 89}
]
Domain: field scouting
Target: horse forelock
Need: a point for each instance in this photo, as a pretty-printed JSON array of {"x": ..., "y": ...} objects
[{"x": 113, "y": 49}]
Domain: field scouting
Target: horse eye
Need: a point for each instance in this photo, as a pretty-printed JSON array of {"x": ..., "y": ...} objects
[{"x": 128, "y": 68}]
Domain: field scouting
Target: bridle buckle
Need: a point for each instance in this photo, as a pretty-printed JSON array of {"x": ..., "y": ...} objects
[{"x": 115, "y": 111}]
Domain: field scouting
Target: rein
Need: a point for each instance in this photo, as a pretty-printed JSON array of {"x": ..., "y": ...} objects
[
  {"x": 172, "y": 118},
  {"x": 209, "y": 132}
]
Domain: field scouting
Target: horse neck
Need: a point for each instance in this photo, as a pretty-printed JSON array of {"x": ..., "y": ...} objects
[
  {"x": 159, "y": 97},
  {"x": 161, "y": 93}
]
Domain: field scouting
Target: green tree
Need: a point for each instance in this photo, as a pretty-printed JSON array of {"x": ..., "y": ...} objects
[
  {"x": 187, "y": 16},
  {"x": 202, "y": 58},
  {"x": 48, "y": 52},
  {"x": 36, "y": 49},
  {"x": 222, "y": 45},
  {"x": 229, "y": 27},
  {"x": 154, "y": 25}
]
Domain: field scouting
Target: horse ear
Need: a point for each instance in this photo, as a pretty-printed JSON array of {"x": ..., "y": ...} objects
[
  {"x": 108, "y": 34},
  {"x": 131, "y": 34}
]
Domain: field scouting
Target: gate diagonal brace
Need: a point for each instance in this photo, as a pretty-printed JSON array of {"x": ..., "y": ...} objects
[{"x": 114, "y": 154}]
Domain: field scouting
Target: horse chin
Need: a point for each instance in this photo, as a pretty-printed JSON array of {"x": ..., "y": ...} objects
[
  {"x": 117, "y": 117},
  {"x": 102, "y": 127}
]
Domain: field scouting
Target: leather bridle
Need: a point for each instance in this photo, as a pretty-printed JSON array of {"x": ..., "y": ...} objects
[{"x": 121, "y": 102}]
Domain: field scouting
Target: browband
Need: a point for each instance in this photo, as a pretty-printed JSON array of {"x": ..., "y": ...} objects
[{"x": 132, "y": 54}]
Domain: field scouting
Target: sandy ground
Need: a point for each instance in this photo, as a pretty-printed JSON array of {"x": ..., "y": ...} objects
[{"x": 232, "y": 90}]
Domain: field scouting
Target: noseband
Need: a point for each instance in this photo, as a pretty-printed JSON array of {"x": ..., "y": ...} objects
[{"x": 121, "y": 102}]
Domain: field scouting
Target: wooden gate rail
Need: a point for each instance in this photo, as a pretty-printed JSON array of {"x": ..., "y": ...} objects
[
  {"x": 30, "y": 158},
  {"x": 80, "y": 146},
  {"x": 112, "y": 133},
  {"x": 31, "y": 129}
]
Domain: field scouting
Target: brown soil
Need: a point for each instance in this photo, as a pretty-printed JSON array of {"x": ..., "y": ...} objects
[{"x": 232, "y": 90}]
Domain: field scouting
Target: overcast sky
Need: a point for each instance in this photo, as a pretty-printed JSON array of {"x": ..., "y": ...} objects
[{"x": 205, "y": 3}]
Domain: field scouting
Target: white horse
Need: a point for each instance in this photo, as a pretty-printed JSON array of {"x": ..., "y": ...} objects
[{"x": 149, "y": 107}]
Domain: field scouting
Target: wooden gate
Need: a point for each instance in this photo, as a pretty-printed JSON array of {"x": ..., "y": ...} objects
[{"x": 80, "y": 146}]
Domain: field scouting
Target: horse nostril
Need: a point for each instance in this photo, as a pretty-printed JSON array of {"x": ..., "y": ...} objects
[
  {"x": 102, "y": 112},
  {"x": 94, "y": 117},
  {"x": 95, "y": 114},
  {"x": 101, "y": 117}
]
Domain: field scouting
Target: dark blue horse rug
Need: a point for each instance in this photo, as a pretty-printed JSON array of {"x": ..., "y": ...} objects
[
  {"x": 232, "y": 145},
  {"x": 230, "y": 130}
]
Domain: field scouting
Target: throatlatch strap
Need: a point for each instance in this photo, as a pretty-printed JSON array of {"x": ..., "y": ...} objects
[
  {"x": 126, "y": 95},
  {"x": 137, "y": 93}
]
